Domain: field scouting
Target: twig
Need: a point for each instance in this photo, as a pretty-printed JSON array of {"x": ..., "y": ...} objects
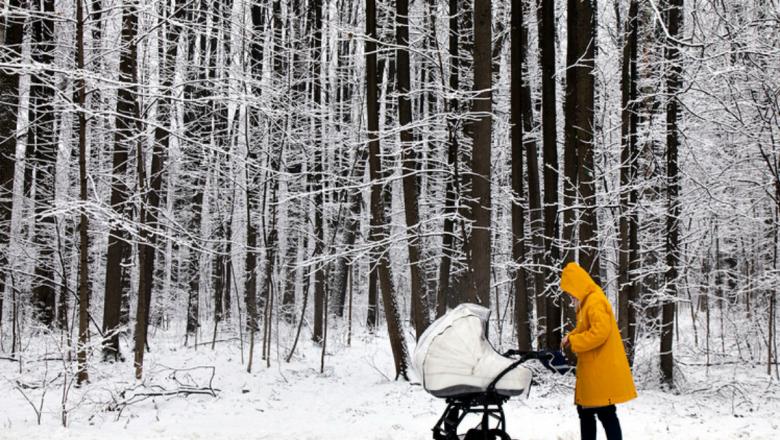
[{"x": 218, "y": 340}]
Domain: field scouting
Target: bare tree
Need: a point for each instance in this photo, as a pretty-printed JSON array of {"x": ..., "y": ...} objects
[
  {"x": 378, "y": 223},
  {"x": 522, "y": 300},
  {"x": 315, "y": 23},
  {"x": 551, "y": 309},
  {"x": 420, "y": 313},
  {"x": 9, "y": 111},
  {"x": 482, "y": 106},
  {"x": 445, "y": 296},
  {"x": 42, "y": 149},
  {"x": 673, "y": 86},
  {"x": 629, "y": 252},
  {"x": 580, "y": 101},
  {"x": 167, "y": 52},
  {"x": 118, "y": 254},
  {"x": 82, "y": 375}
]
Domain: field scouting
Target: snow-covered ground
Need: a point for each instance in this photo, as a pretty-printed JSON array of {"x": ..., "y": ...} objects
[{"x": 355, "y": 398}]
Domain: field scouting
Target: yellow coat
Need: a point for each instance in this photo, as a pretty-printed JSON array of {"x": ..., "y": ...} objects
[{"x": 603, "y": 375}]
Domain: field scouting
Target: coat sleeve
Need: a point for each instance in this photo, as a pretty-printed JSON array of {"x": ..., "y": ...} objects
[
  {"x": 577, "y": 329},
  {"x": 597, "y": 334}
]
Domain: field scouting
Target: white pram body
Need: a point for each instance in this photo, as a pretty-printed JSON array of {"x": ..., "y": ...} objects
[{"x": 454, "y": 357}]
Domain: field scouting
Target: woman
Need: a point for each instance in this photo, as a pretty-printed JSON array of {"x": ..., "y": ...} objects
[{"x": 603, "y": 375}]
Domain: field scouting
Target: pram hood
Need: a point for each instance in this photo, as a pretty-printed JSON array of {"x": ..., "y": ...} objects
[{"x": 454, "y": 357}]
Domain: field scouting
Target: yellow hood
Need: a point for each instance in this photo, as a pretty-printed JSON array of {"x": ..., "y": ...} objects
[{"x": 576, "y": 282}]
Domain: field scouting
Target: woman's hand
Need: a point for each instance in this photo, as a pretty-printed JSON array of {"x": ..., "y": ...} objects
[{"x": 565, "y": 343}]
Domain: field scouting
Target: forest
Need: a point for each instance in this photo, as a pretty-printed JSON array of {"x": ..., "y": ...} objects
[{"x": 290, "y": 182}]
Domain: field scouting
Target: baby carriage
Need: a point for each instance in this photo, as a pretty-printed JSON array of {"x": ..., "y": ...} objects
[{"x": 456, "y": 362}]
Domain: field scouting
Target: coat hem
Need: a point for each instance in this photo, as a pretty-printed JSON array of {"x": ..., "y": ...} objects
[{"x": 606, "y": 402}]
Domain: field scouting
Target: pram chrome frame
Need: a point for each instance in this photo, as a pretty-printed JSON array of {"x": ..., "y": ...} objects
[{"x": 488, "y": 403}]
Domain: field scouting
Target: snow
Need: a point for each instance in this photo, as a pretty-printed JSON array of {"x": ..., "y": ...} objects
[{"x": 356, "y": 398}]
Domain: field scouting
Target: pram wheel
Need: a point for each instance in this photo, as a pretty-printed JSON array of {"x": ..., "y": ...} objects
[
  {"x": 491, "y": 434},
  {"x": 487, "y": 405}
]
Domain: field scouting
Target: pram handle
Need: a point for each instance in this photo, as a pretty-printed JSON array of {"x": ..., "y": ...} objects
[
  {"x": 514, "y": 352},
  {"x": 524, "y": 357}
]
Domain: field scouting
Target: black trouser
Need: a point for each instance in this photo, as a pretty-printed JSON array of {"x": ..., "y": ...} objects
[{"x": 608, "y": 418}]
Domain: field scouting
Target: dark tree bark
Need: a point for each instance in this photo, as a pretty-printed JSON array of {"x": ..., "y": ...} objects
[
  {"x": 64, "y": 287},
  {"x": 219, "y": 264},
  {"x": 296, "y": 217},
  {"x": 579, "y": 194},
  {"x": 373, "y": 295},
  {"x": 197, "y": 111},
  {"x": 378, "y": 223},
  {"x": 673, "y": 85},
  {"x": 294, "y": 243},
  {"x": 252, "y": 174},
  {"x": 315, "y": 18},
  {"x": 42, "y": 148},
  {"x": 444, "y": 294},
  {"x": 82, "y": 375},
  {"x": 532, "y": 170},
  {"x": 9, "y": 113},
  {"x": 571, "y": 161},
  {"x": 345, "y": 67},
  {"x": 144, "y": 249},
  {"x": 482, "y": 107},
  {"x": 580, "y": 94},
  {"x": 463, "y": 280},
  {"x": 221, "y": 132},
  {"x": 271, "y": 236},
  {"x": 167, "y": 49},
  {"x": 629, "y": 252},
  {"x": 193, "y": 262},
  {"x": 126, "y": 129},
  {"x": 420, "y": 314},
  {"x": 522, "y": 303},
  {"x": 546, "y": 27},
  {"x": 206, "y": 126}
]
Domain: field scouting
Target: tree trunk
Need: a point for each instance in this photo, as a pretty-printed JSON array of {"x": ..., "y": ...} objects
[
  {"x": 373, "y": 296},
  {"x": 252, "y": 174},
  {"x": 193, "y": 262},
  {"x": 546, "y": 27},
  {"x": 9, "y": 113},
  {"x": 482, "y": 107},
  {"x": 42, "y": 148},
  {"x": 317, "y": 180},
  {"x": 444, "y": 292},
  {"x": 628, "y": 260},
  {"x": 294, "y": 240},
  {"x": 378, "y": 223},
  {"x": 522, "y": 303},
  {"x": 420, "y": 314},
  {"x": 144, "y": 249},
  {"x": 673, "y": 85},
  {"x": 353, "y": 198},
  {"x": 221, "y": 131},
  {"x": 463, "y": 281},
  {"x": 83, "y": 375},
  {"x": 532, "y": 169},
  {"x": 167, "y": 50},
  {"x": 580, "y": 101},
  {"x": 271, "y": 237},
  {"x": 579, "y": 180},
  {"x": 571, "y": 161},
  {"x": 126, "y": 129}
]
